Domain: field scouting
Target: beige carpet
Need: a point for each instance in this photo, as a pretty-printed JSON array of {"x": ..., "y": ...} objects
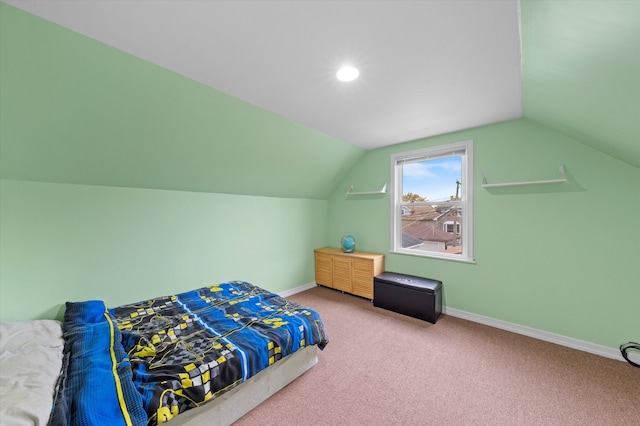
[{"x": 383, "y": 368}]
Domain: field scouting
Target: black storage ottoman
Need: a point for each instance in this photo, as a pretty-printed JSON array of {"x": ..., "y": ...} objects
[{"x": 414, "y": 296}]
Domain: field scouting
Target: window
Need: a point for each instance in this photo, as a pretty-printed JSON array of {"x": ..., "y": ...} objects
[{"x": 432, "y": 208}]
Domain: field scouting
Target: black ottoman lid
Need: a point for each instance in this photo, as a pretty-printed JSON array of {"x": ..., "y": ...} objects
[{"x": 409, "y": 281}]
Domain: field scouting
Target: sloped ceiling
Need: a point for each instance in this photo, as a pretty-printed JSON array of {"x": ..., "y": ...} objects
[
  {"x": 581, "y": 71},
  {"x": 427, "y": 67}
]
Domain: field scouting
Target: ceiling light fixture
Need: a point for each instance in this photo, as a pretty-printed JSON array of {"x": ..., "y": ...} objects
[{"x": 347, "y": 73}]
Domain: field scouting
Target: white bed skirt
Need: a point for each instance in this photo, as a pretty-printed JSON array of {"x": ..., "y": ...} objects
[{"x": 230, "y": 406}]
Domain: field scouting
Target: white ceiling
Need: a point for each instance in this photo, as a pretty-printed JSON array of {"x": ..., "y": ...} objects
[{"x": 426, "y": 67}]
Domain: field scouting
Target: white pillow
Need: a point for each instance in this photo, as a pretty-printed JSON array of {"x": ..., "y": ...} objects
[{"x": 30, "y": 362}]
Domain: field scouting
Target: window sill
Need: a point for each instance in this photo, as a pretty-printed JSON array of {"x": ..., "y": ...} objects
[{"x": 434, "y": 256}]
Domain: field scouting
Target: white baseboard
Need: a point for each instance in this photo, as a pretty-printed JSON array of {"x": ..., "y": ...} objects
[
  {"x": 570, "y": 342},
  {"x": 298, "y": 289}
]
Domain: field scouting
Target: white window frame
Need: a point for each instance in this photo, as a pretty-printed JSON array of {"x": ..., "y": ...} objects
[{"x": 463, "y": 149}]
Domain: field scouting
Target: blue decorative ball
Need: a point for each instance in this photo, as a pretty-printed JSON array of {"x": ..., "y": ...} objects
[{"x": 348, "y": 244}]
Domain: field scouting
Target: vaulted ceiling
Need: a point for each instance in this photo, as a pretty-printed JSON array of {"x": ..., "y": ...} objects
[
  {"x": 581, "y": 71},
  {"x": 426, "y": 67}
]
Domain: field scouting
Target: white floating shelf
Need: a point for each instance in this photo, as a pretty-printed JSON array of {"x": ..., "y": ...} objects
[
  {"x": 382, "y": 191},
  {"x": 562, "y": 179}
]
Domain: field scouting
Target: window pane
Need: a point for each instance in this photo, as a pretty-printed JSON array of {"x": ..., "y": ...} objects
[
  {"x": 432, "y": 202},
  {"x": 434, "y": 228},
  {"x": 432, "y": 180}
]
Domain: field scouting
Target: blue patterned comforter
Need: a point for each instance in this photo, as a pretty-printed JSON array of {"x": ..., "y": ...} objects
[{"x": 180, "y": 351}]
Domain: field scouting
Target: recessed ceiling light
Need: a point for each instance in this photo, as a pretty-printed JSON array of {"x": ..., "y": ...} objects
[{"x": 347, "y": 73}]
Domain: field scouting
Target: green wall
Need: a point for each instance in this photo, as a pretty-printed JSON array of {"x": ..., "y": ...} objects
[
  {"x": 62, "y": 242},
  {"x": 123, "y": 180},
  {"x": 581, "y": 71},
  {"x": 559, "y": 258},
  {"x": 74, "y": 110}
]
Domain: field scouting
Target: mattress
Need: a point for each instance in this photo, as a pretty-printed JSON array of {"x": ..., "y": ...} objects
[
  {"x": 26, "y": 393},
  {"x": 152, "y": 361}
]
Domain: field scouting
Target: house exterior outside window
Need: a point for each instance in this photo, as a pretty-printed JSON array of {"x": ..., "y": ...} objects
[{"x": 432, "y": 202}]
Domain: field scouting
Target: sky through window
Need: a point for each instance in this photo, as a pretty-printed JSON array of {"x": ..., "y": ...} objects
[{"x": 433, "y": 179}]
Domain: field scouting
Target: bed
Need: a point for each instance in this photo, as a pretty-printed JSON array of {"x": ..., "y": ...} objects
[{"x": 210, "y": 354}]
